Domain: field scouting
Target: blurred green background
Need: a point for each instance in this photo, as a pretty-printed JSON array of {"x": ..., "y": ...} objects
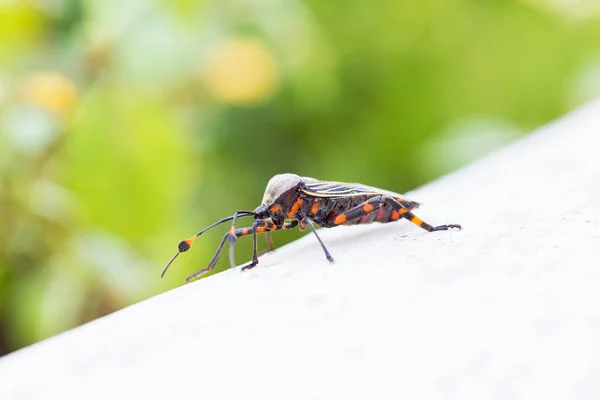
[{"x": 127, "y": 126}]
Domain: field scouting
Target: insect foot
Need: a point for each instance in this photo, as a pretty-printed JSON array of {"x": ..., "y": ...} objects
[{"x": 447, "y": 227}]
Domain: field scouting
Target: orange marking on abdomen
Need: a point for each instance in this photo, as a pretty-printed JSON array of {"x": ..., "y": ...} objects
[
  {"x": 368, "y": 208},
  {"x": 340, "y": 219},
  {"x": 395, "y": 215},
  {"x": 260, "y": 229},
  {"x": 315, "y": 207},
  {"x": 297, "y": 206}
]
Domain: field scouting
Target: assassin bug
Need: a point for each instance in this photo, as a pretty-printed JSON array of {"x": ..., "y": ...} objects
[{"x": 291, "y": 200}]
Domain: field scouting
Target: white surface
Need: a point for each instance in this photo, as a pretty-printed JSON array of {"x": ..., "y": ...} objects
[{"x": 509, "y": 308}]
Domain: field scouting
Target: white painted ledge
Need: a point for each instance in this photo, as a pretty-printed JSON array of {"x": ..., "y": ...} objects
[{"x": 509, "y": 308}]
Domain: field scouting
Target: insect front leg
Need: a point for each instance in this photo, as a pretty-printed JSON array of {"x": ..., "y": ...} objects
[
  {"x": 255, "y": 227},
  {"x": 232, "y": 238},
  {"x": 232, "y": 235},
  {"x": 262, "y": 226},
  {"x": 212, "y": 262}
]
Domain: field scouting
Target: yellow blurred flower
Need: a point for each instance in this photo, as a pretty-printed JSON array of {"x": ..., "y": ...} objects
[
  {"x": 51, "y": 91},
  {"x": 242, "y": 71}
]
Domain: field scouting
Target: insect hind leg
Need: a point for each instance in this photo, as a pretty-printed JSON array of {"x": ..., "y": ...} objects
[
  {"x": 399, "y": 211},
  {"x": 409, "y": 204},
  {"x": 353, "y": 215}
]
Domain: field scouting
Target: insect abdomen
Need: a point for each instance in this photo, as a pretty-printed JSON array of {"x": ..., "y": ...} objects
[{"x": 365, "y": 210}]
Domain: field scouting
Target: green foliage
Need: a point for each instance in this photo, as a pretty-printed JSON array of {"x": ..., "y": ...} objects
[{"x": 124, "y": 129}]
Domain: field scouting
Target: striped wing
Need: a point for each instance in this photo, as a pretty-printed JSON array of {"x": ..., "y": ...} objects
[{"x": 316, "y": 188}]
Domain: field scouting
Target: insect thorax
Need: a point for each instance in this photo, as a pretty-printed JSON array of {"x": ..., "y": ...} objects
[{"x": 278, "y": 186}]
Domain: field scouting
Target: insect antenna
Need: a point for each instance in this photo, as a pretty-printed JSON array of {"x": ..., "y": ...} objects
[{"x": 186, "y": 244}]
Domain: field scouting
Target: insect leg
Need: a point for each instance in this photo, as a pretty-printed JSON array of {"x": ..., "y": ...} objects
[
  {"x": 308, "y": 221},
  {"x": 236, "y": 233},
  {"x": 410, "y": 204},
  {"x": 262, "y": 226},
  {"x": 269, "y": 240},
  {"x": 255, "y": 228},
  {"x": 401, "y": 211},
  {"x": 212, "y": 262},
  {"x": 259, "y": 226},
  {"x": 270, "y": 246},
  {"x": 185, "y": 245},
  {"x": 354, "y": 213},
  {"x": 232, "y": 238}
]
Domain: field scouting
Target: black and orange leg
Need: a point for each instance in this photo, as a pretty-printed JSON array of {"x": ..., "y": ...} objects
[
  {"x": 399, "y": 211},
  {"x": 357, "y": 212},
  {"x": 262, "y": 226},
  {"x": 259, "y": 226},
  {"x": 410, "y": 204}
]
